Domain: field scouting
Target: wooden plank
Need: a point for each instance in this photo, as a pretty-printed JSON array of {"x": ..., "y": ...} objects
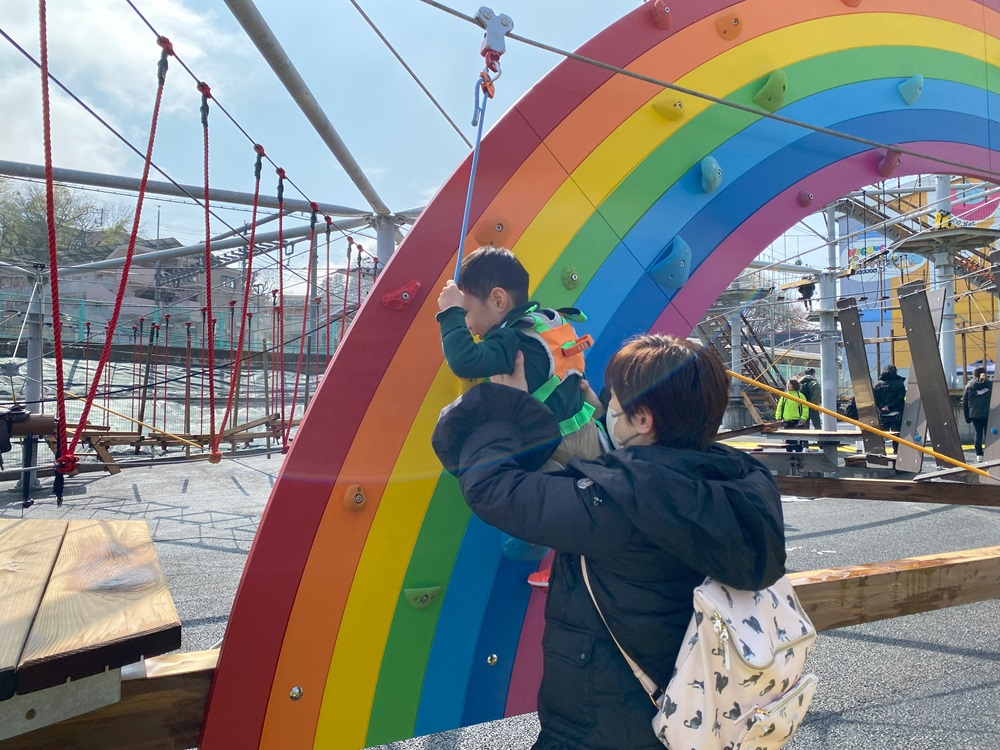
[
  {"x": 105, "y": 455},
  {"x": 247, "y": 426},
  {"x": 857, "y": 364},
  {"x": 165, "y": 709},
  {"x": 926, "y": 362},
  {"x": 28, "y": 550},
  {"x": 106, "y": 604},
  {"x": 838, "y": 597},
  {"x": 914, "y": 424},
  {"x": 945, "y": 493}
]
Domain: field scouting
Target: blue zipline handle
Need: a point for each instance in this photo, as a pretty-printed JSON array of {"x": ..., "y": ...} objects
[{"x": 479, "y": 116}]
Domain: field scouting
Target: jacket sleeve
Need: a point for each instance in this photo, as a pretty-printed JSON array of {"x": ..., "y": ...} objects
[
  {"x": 493, "y": 355},
  {"x": 779, "y": 410},
  {"x": 965, "y": 403},
  {"x": 562, "y": 511}
]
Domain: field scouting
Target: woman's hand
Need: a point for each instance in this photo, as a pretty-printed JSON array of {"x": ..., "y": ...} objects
[
  {"x": 593, "y": 399},
  {"x": 517, "y": 378}
]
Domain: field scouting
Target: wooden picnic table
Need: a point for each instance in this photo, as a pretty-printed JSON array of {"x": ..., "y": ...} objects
[{"x": 78, "y": 599}]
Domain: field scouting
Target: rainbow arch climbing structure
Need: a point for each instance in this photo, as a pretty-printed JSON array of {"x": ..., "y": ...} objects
[{"x": 373, "y": 606}]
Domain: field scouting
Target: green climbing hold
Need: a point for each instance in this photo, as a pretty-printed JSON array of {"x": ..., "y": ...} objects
[
  {"x": 570, "y": 278},
  {"x": 422, "y": 598},
  {"x": 772, "y": 95}
]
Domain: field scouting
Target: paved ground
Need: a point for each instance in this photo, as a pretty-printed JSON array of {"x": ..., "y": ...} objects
[{"x": 923, "y": 682}]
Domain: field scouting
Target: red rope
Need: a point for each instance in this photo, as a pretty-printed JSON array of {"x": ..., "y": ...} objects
[
  {"x": 166, "y": 50},
  {"x": 244, "y": 316},
  {"x": 302, "y": 335},
  {"x": 281, "y": 302},
  {"x": 65, "y": 463},
  {"x": 215, "y": 457}
]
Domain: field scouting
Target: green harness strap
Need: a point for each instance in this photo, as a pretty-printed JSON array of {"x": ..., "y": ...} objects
[{"x": 570, "y": 424}]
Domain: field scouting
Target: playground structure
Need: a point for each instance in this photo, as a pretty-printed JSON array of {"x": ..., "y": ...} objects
[{"x": 373, "y": 606}]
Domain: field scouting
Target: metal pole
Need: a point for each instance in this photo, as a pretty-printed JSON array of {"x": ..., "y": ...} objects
[
  {"x": 235, "y": 242},
  {"x": 944, "y": 277},
  {"x": 32, "y": 384},
  {"x": 115, "y": 182},
  {"x": 828, "y": 322},
  {"x": 260, "y": 34},
  {"x": 385, "y": 239}
]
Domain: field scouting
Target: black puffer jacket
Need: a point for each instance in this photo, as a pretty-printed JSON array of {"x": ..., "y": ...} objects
[
  {"x": 652, "y": 521},
  {"x": 890, "y": 392}
]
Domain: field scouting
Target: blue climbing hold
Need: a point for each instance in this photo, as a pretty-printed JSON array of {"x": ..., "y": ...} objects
[
  {"x": 993, "y": 430},
  {"x": 673, "y": 266},
  {"x": 911, "y": 88},
  {"x": 711, "y": 174},
  {"x": 520, "y": 550}
]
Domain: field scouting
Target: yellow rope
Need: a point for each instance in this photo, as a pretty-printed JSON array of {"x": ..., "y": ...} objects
[
  {"x": 861, "y": 425},
  {"x": 136, "y": 421}
]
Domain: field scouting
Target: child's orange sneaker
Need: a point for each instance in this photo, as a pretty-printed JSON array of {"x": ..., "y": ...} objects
[{"x": 540, "y": 578}]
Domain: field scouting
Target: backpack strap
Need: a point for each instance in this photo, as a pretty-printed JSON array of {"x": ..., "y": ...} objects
[{"x": 654, "y": 692}]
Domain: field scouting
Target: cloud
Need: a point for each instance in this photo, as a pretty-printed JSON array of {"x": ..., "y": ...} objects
[{"x": 103, "y": 52}]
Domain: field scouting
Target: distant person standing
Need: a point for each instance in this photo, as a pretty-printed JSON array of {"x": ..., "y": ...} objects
[
  {"x": 890, "y": 397},
  {"x": 976, "y": 405},
  {"x": 812, "y": 392},
  {"x": 793, "y": 414},
  {"x": 806, "y": 292}
]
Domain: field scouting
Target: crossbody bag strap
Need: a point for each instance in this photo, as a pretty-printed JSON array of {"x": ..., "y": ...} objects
[{"x": 644, "y": 679}]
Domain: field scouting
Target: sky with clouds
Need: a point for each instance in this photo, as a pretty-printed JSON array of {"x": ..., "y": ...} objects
[{"x": 104, "y": 52}]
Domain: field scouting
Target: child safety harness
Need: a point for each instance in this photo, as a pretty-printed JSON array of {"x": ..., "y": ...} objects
[{"x": 565, "y": 349}]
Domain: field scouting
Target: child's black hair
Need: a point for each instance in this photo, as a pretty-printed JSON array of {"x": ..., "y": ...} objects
[{"x": 491, "y": 267}]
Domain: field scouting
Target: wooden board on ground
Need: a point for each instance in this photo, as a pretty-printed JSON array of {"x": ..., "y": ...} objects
[
  {"x": 946, "y": 493},
  {"x": 838, "y": 597},
  {"x": 28, "y": 550},
  {"x": 106, "y": 605}
]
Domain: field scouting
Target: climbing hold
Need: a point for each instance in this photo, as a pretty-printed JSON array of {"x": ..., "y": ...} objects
[
  {"x": 402, "y": 297},
  {"x": 805, "y": 198},
  {"x": 492, "y": 660},
  {"x": 493, "y": 232},
  {"x": 993, "y": 430},
  {"x": 711, "y": 174},
  {"x": 421, "y": 598},
  {"x": 729, "y": 26},
  {"x": 911, "y": 88},
  {"x": 669, "y": 106},
  {"x": 570, "y": 278},
  {"x": 520, "y": 550},
  {"x": 889, "y": 162},
  {"x": 661, "y": 15},
  {"x": 772, "y": 94},
  {"x": 851, "y": 3},
  {"x": 355, "y": 498},
  {"x": 673, "y": 266},
  {"x": 295, "y": 693}
]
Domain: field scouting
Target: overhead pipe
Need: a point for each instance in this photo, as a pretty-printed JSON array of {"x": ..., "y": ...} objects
[
  {"x": 176, "y": 252},
  {"x": 116, "y": 182},
  {"x": 260, "y": 34}
]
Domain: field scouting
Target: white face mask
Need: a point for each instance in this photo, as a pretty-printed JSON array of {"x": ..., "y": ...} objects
[{"x": 612, "y": 420}]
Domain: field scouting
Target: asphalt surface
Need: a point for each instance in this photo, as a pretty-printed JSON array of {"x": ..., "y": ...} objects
[{"x": 924, "y": 681}]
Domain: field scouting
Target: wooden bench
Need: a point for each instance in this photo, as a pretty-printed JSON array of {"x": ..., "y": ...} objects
[{"x": 80, "y": 599}]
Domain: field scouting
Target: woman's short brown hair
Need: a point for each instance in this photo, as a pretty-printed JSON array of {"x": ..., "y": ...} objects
[{"x": 685, "y": 387}]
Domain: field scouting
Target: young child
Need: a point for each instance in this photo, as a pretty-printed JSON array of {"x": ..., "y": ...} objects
[{"x": 491, "y": 301}]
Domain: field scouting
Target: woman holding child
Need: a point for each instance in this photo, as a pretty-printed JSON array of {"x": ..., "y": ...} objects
[{"x": 654, "y": 517}]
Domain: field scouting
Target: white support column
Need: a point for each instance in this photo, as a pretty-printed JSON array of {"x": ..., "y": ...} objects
[
  {"x": 828, "y": 324},
  {"x": 944, "y": 278}
]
